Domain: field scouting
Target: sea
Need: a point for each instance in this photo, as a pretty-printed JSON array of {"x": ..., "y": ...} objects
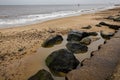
[{"x": 19, "y": 15}]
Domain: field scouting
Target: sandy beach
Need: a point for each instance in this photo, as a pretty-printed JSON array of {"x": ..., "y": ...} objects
[{"x": 17, "y": 43}]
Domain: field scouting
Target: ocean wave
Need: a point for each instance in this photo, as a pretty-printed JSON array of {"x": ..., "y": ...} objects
[
  {"x": 35, "y": 17},
  {"x": 27, "y": 19}
]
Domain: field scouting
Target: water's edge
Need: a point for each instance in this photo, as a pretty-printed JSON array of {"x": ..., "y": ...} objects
[{"x": 39, "y": 18}]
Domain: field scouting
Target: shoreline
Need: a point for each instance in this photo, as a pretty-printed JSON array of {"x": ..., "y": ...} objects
[
  {"x": 76, "y": 13},
  {"x": 29, "y": 38}
]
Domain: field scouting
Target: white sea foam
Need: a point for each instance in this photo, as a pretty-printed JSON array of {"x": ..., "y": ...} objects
[
  {"x": 36, "y": 17},
  {"x": 27, "y": 19}
]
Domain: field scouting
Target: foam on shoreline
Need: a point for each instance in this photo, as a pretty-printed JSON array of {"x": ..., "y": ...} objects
[{"x": 35, "y": 18}]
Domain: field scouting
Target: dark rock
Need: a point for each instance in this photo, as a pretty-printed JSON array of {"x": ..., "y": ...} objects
[
  {"x": 2, "y": 57},
  {"x": 87, "y": 27},
  {"x": 85, "y": 41},
  {"x": 76, "y": 35},
  {"x": 117, "y": 19},
  {"x": 51, "y": 41},
  {"x": 21, "y": 49},
  {"x": 98, "y": 25},
  {"x": 110, "y": 17},
  {"x": 92, "y": 33},
  {"x": 61, "y": 61},
  {"x": 41, "y": 75},
  {"x": 118, "y": 15},
  {"x": 116, "y": 27},
  {"x": 114, "y": 18},
  {"x": 76, "y": 47},
  {"x": 106, "y": 35}
]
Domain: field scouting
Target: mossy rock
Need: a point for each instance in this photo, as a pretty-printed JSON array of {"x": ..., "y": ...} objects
[
  {"x": 86, "y": 41},
  {"x": 106, "y": 35},
  {"x": 61, "y": 61},
  {"x": 75, "y": 35},
  {"x": 76, "y": 47},
  {"x": 52, "y": 40},
  {"x": 92, "y": 33},
  {"x": 41, "y": 75}
]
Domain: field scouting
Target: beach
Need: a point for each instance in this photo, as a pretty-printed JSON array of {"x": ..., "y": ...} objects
[{"x": 16, "y": 43}]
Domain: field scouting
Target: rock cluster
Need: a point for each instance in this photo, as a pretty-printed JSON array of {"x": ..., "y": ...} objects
[
  {"x": 115, "y": 27},
  {"x": 62, "y": 61}
]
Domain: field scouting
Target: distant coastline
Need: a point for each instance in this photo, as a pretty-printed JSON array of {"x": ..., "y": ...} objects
[{"x": 117, "y": 5}]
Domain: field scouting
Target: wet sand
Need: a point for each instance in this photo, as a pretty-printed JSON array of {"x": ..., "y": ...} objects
[{"x": 18, "y": 44}]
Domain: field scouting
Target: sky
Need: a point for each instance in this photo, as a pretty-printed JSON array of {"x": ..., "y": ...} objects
[{"x": 33, "y": 2}]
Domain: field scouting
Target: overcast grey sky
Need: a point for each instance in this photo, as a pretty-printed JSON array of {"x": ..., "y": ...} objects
[{"x": 18, "y": 2}]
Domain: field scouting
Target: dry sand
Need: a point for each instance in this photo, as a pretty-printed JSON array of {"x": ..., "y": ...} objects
[{"x": 18, "y": 42}]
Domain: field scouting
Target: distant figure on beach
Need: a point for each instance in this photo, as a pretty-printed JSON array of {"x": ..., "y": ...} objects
[{"x": 78, "y": 5}]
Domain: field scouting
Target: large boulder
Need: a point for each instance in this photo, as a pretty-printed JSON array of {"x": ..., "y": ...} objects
[
  {"x": 76, "y": 35},
  {"x": 76, "y": 47},
  {"x": 115, "y": 27},
  {"x": 61, "y": 61},
  {"x": 86, "y": 41},
  {"x": 106, "y": 35},
  {"x": 41, "y": 75},
  {"x": 52, "y": 40}
]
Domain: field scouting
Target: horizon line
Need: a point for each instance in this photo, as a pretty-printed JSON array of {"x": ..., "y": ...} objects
[{"x": 61, "y": 4}]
